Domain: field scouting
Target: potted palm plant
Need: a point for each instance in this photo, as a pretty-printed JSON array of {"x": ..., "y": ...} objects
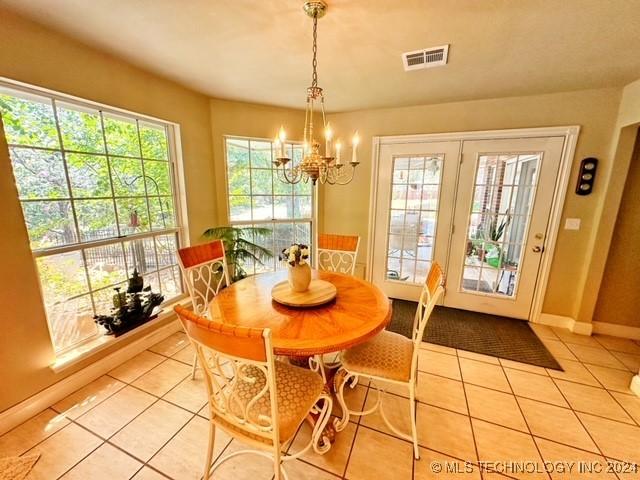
[{"x": 240, "y": 248}]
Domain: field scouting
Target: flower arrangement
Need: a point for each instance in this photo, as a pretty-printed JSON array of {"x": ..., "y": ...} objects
[{"x": 296, "y": 254}]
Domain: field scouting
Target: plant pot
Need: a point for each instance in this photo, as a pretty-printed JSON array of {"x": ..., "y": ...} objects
[{"x": 299, "y": 277}]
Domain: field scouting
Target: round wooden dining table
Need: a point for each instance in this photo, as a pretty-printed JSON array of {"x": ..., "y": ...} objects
[{"x": 359, "y": 311}]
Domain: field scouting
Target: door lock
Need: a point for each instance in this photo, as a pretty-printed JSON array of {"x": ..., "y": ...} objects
[{"x": 538, "y": 249}]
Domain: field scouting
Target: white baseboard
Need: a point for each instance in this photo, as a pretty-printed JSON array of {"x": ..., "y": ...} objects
[
  {"x": 26, "y": 409},
  {"x": 635, "y": 385},
  {"x": 616, "y": 330},
  {"x": 581, "y": 328}
]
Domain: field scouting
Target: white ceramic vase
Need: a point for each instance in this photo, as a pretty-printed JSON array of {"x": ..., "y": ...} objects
[{"x": 299, "y": 277}]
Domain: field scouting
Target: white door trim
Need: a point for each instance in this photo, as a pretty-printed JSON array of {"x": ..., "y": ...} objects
[{"x": 570, "y": 134}]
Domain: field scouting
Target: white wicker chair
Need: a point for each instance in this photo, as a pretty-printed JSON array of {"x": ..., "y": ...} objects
[
  {"x": 204, "y": 268},
  {"x": 253, "y": 397},
  {"x": 392, "y": 358}
]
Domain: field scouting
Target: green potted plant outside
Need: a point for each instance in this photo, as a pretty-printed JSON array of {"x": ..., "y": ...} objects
[{"x": 238, "y": 249}]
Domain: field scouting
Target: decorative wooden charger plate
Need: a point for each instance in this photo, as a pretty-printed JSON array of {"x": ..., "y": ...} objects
[{"x": 319, "y": 293}]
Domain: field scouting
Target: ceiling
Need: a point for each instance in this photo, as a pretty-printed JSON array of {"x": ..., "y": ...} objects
[{"x": 261, "y": 51}]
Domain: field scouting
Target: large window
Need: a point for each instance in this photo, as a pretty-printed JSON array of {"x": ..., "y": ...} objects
[
  {"x": 258, "y": 198},
  {"x": 97, "y": 193}
]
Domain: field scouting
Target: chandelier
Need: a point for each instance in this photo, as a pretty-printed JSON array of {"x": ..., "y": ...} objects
[{"x": 326, "y": 166}]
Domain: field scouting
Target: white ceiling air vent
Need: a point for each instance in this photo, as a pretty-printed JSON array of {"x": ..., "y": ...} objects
[{"x": 427, "y": 58}]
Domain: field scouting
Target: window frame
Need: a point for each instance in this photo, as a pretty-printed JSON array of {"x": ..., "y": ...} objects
[
  {"x": 312, "y": 219},
  {"x": 176, "y": 176}
]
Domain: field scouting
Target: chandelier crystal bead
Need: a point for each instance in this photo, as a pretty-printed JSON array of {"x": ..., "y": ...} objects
[{"x": 316, "y": 165}]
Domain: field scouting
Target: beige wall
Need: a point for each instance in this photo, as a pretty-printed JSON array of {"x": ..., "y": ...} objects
[
  {"x": 38, "y": 56},
  {"x": 612, "y": 283},
  {"x": 618, "y": 298},
  {"x": 594, "y": 110}
]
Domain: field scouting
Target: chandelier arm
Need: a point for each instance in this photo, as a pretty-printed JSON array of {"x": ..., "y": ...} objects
[
  {"x": 296, "y": 176},
  {"x": 348, "y": 177}
]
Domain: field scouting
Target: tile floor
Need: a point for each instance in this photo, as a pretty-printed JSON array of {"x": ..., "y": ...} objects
[{"x": 147, "y": 419}]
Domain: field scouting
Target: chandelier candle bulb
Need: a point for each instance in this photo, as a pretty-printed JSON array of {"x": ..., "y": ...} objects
[
  {"x": 328, "y": 135},
  {"x": 338, "y": 159},
  {"x": 355, "y": 141},
  {"x": 282, "y": 136}
]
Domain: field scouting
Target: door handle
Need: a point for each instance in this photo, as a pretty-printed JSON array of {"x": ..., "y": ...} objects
[{"x": 537, "y": 249}]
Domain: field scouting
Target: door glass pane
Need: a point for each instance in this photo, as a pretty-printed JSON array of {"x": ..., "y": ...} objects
[
  {"x": 415, "y": 191},
  {"x": 503, "y": 200}
]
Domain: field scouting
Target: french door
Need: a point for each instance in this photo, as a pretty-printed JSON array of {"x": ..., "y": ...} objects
[{"x": 482, "y": 213}]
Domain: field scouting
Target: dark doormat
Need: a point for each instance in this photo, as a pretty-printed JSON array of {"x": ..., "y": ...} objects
[{"x": 502, "y": 337}]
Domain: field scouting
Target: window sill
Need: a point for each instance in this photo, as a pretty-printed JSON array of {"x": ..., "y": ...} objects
[{"x": 86, "y": 350}]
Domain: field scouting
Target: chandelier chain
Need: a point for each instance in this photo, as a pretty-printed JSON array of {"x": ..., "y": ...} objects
[{"x": 314, "y": 80}]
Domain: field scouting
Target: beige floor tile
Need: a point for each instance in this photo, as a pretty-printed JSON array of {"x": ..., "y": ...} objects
[
  {"x": 397, "y": 411},
  {"x": 499, "y": 444},
  {"x": 354, "y": 398},
  {"x": 558, "y": 349},
  {"x": 185, "y": 355},
  {"x": 159, "y": 380},
  {"x": 367, "y": 462},
  {"x": 631, "y": 403},
  {"x": 593, "y": 400},
  {"x": 484, "y": 375},
  {"x": 335, "y": 460},
  {"x": 556, "y": 423},
  {"x": 439, "y": 364},
  {"x": 116, "y": 411},
  {"x": 495, "y": 407},
  {"x": 88, "y": 396},
  {"x": 300, "y": 469},
  {"x": 616, "y": 440},
  {"x": 137, "y": 366},
  {"x": 430, "y": 464},
  {"x": 148, "y": 432},
  {"x": 478, "y": 356},
  {"x": 569, "y": 337},
  {"x": 573, "y": 372},
  {"x": 189, "y": 394},
  {"x": 543, "y": 331},
  {"x": 446, "y": 432},
  {"x": 612, "y": 378},
  {"x": 576, "y": 463},
  {"x": 394, "y": 388},
  {"x": 185, "y": 454},
  {"x": 105, "y": 463},
  {"x": 595, "y": 356},
  {"x": 441, "y": 392},
  {"x": 617, "y": 344},
  {"x": 147, "y": 473},
  {"x": 204, "y": 412},
  {"x": 244, "y": 467},
  {"x": 631, "y": 361},
  {"x": 537, "y": 387},
  {"x": 171, "y": 345},
  {"x": 437, "y": 348},
  {"x": 61, "y": 451},
  {"x": 33, "y": 431},
  {"x": 523, "y": 366}
]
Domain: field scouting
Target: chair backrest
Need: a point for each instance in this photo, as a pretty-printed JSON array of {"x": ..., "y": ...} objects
[
  {"x": 238, "y": 365},
  {"x": 204, "y": 268},
  {"x": 338, "y": 253},
  {"x": 431, "y": 293}
]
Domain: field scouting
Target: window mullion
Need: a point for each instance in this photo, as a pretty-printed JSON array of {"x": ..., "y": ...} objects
[
  {"x": 66, "y": 169},
  {"x": 113, "y": 192},
  {"x": 144, "y": 179}
]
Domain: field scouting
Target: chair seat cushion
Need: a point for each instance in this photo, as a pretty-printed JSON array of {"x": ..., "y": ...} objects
[
  {"x": 387, "y": 355},
  {"x": 297, "y": 390}
]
